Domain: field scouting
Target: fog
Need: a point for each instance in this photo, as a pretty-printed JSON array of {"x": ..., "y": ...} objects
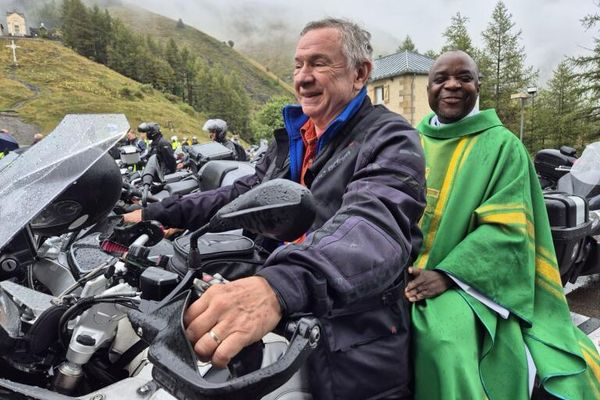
[{"x": 551, "y": 29}]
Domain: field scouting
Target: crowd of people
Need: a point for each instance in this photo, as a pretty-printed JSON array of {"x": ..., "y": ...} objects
[{"x": 430, "y": 263}]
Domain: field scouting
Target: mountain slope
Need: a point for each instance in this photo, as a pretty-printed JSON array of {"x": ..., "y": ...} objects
[
  {"x": 52, "y": 80},
  {"x": 260, "y": 84}
]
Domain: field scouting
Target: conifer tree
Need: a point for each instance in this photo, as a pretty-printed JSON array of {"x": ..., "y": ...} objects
[
  {"x": 502, "y": 64},
  {"x": 457, "y": 36},
  {"x": 407, "y": 44}
]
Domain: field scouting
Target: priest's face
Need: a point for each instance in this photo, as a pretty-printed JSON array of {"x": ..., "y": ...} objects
[{"x": 453, "y": 86}]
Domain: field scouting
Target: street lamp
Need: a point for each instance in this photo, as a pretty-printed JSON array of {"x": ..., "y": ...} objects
[
  {"x": 531, "y": 91},
  {"x": 522, "y": 96}
]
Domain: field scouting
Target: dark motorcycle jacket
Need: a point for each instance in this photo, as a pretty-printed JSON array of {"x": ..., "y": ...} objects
[
  {"x": 164, "y": 152},
  {"x": 368, "y": 181}
]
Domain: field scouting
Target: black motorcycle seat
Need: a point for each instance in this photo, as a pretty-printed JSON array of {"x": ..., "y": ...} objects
[
  {"x": 176, "y": 176},
  {"x": 181, "y": 187}
]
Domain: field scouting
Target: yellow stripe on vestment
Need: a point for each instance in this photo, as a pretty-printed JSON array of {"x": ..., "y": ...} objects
[
  {"x": 595, "y": 368},
  {"x": 443, "y": 199},
  {"x": 543, "y": 283},
  {"x": 500, "y": 207},
  {"x": 548, "y": 271},
  {"x": 591, "y": 350},
  {"x": 505, "y": 218}
]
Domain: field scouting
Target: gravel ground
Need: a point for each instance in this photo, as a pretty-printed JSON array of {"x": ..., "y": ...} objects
[
  {"x": 584, "y": 296},
  {"x": 21, "y": 131}
]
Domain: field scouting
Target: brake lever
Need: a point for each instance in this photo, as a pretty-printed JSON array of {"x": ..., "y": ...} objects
[{"x": 176, "y": 366}]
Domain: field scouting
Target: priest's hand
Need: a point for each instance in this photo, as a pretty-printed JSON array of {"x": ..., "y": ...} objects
[
  {"x": 231, "y": 316},
  {"x": 425, "y": 284}
]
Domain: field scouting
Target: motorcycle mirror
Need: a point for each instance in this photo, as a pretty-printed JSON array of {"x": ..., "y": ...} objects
[{"x": 278, "y": 209}]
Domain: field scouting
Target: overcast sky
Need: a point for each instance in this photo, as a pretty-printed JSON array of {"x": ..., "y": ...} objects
[{"x": 551, "y": 29}]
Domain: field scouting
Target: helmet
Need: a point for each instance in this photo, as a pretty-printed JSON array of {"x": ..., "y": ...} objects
[
  {"x": 84, "y": 202},
  {"x": 217, "y": 126},
  {"x": 151, "y": 129},
  {"x": 173, "y": 138}
]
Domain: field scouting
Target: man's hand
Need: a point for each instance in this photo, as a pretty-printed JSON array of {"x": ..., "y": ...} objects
[
  {"x": 133, "y": 217},
  {"x": 231, "y": 316},
  {"x": 425, "y": 284}
]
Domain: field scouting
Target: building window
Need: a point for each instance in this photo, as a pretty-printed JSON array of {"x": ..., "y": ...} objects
[
  {"x": 378, "y": 94},
  {"x": 17, "y": 29}
]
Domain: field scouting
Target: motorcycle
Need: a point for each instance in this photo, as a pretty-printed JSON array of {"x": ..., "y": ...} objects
[
  {"x": 209, "y": 166},
  {"x": 572, "y": 196},
  {"x": 78, "y": 288}
]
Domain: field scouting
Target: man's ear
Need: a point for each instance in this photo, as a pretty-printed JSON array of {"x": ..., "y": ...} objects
[{"x": 362, "y": 75}]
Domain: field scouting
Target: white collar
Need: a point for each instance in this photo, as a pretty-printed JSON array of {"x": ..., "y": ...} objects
[{"x": 434, "y": 121}]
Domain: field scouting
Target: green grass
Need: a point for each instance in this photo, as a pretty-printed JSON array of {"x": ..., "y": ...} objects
[
  {"x": 52, "y": 80},
  {"x": 260, "y": 84}
]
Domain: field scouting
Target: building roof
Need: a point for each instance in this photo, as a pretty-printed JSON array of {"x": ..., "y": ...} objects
[
  {"x": 8, "y": 13},
  {"x": 402, "y": 63}
]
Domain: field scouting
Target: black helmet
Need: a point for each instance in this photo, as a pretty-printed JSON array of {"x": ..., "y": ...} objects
[
  {"x": 84, "y": 202},
  {"x": 151, "y": 129},
  {"x": 216, "y": 126}
]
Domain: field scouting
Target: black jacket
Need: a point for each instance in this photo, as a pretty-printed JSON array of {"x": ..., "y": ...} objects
[
  {"x": 369, "y": 186},
  {"x": 164, "y": 152}
]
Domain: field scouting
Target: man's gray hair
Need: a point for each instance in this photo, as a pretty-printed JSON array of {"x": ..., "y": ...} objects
[{"x": 356, "y": 44}]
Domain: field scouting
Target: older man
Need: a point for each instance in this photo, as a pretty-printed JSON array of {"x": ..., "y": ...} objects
[
  {"x": 365, "y": 168},
  {"x": 490, "y": 314}
]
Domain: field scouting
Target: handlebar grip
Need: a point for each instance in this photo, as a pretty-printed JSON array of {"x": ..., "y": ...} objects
[{"x": 175, "y": 364}]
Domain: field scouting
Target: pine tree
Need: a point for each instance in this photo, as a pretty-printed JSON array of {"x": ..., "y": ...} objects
[
  {"x": 502, "y": 64},
  {"x": 77, "y": 29},
  {"x": 173, "y": 57},
  {"x": 101, "y": 27},
  {"x": 589, "y": 73},
  {"x": 407, "y": 44},
  {"x": 457, "y": 36},
  {"x": 556, "y": 120}
]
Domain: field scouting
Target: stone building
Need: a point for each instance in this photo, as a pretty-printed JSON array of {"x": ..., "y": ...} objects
[
  {"x": 399, "y": 81},
  {"x": 15, "y": 23}
]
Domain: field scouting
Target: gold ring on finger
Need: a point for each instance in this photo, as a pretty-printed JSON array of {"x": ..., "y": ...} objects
[{"x": 215, "y": 337}]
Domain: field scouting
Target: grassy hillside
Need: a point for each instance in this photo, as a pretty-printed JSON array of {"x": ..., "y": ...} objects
[
  {"x": 52, "y": 80},
  {"x": 259, "y": 83}
]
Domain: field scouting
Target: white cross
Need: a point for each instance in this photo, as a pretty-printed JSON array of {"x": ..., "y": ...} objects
[{"x": 14, "y": 47}]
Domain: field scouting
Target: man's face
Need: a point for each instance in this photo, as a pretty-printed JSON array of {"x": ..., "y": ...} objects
[
  {"x": 323, "y": 81},
  {"x": 212, "y": 135},
  {"x": 453, "y": 86},
  {"x": 130, "y": 135}
]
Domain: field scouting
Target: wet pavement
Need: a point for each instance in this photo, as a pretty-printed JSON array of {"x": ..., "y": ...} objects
[{"x": 584, "y": 301}]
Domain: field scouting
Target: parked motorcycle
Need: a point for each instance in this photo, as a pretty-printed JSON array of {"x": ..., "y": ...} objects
[
  {"x": 572, "y": 195},
  {"x": 73, "y": 277}
]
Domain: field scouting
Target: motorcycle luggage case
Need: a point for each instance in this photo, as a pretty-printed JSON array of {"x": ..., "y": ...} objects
[
  {"x": 202, "y": 153},
  {"x": 130, "y": 155},
  {"x": 231, "y": 255},
  {"x": 547, "y": 160},
  {"x": 570, "y": 224}
]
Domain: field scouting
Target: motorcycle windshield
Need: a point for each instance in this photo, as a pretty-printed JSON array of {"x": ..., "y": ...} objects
[
  {"x": 31, "y": 180},
  {"x": 585, "y": 172}
]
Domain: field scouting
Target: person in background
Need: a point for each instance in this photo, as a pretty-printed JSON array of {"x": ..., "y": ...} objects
[
  {"x": 489, "y": 316},
  {"x": 133, "y": 140},
  {"x": 159, "y": 146},
  {"x": 36, "y": 138},
  {"x": 194, "y": 140},
  {"x": 365, "y": 168},
  {"x": 7, "y": 142},
  {"x": 217, "y": 130},
  {"x": 175, "y": 142}
]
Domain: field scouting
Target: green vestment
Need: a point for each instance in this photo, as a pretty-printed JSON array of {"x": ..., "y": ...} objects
[{"x": 486, "y": 225}]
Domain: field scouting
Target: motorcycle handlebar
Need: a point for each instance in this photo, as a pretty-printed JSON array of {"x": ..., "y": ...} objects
[{"x": 175, "y": 364}]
